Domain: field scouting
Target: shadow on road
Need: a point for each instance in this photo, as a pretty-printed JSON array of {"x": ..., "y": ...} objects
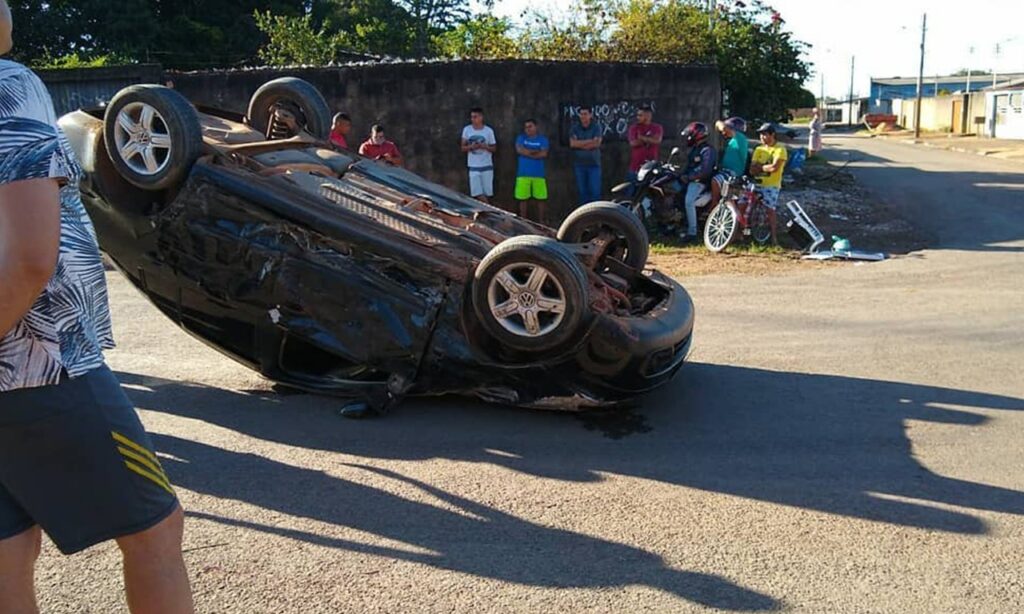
[{"x": 833, "y": 444}]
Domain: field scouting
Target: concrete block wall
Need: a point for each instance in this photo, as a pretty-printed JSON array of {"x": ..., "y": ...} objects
[{"x": 424, "y": 106}]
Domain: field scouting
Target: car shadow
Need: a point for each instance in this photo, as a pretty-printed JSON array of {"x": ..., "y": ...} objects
[
  {"x": 471, "y": 538},
  {"x": 829, "y": 443}
]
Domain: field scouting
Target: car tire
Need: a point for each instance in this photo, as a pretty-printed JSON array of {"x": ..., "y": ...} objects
[
  {"x": 301, "y": 93},
  {"x": 531, "y": 294},
  {"x": 721, "y": 227},
  {"x": 152, "y": 135},
  {"x": 632, "y": 245}
]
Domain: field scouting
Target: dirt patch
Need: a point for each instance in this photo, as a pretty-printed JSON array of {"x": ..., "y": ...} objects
[
  {"x": 836, "y": 203},
  {"x": 840, "y": 206}
]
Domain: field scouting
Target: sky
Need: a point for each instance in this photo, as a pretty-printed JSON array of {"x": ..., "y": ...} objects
[{"x": 885, "y": 37}]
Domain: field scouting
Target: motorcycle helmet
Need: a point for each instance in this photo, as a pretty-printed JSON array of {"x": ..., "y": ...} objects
[{"x": 695, "y": 133}]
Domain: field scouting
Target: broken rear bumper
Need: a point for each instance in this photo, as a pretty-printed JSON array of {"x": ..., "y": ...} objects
[{"x": 627, "y": 356}]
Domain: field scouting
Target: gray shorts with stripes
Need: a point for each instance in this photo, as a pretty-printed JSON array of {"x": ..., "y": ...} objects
[{"x": 75, "y": 460}]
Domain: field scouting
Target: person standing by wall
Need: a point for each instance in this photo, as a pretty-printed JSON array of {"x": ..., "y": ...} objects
[
  {"x": 378, "y": 147},
  {"x": 75, "y": 461},
  {"x": 531, "y": 181},
  {"x": 585, "y": 141},
  {"x": 479, "y": 144},
  {"x": 734, "y": 157},
  {"x": 767, "y": 166},
  {"x": 645, "y": 138},
  {"x": 340, "y": 128},
  {"x": 814, "y": 134}
]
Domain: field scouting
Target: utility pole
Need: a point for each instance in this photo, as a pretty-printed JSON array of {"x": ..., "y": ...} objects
[
  {"x": 850, "y": 118},
  {"x": 970, "y": 54},
  {"x": 821, "y": 100},
  {"x": 996, "y": 68},
  {"x": 920, "y": 78}
]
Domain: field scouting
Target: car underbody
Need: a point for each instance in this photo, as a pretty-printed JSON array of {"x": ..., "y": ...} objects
[{"x": 336, "y": 274}]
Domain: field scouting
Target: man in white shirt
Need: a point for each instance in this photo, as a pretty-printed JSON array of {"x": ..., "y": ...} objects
[{"x": 479, "y": 144}]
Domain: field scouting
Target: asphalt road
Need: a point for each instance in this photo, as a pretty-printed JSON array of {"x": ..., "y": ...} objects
[{"x": 844, "y": 440}]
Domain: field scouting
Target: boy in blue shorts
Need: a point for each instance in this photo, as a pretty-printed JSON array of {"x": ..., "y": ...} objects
[{"x": 531, "y": 181}]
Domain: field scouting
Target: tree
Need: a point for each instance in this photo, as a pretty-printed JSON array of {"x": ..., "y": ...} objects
[
  {"x": 292, "y": 40},
  {"x": 432, "y": 17},
  {"x": 481, "y": 37},
  {"x": 378, "y": 27}
]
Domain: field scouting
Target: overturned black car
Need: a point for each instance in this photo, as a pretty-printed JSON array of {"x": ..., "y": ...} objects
[{"x": 338, "y": 274}]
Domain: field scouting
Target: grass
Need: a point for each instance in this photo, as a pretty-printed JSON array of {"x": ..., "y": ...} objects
[{"x": 670, "y": 247}]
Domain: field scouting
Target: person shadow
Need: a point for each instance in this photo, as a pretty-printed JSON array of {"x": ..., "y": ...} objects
[
  {"x": 476, "y": 539},
  {"x": 832, "y": 444}
]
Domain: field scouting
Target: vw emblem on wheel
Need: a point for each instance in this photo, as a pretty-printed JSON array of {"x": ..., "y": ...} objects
[{"x": 527, "y": 300}]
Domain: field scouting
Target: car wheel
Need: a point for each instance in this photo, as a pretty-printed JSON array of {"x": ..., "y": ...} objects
[
  {"x": 302, "y": 95},
  {"x": 721, "y": 227},
  {"x": 152, "y": 135},
  {"x": 629, "y": 242},
  {"x": 531, "y": 294}
]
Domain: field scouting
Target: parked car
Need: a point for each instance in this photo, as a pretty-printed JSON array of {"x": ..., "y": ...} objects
[{"x": 329, "y": 272}]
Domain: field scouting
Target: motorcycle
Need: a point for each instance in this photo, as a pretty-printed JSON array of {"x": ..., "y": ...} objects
[{"x": 657, "y": 193}]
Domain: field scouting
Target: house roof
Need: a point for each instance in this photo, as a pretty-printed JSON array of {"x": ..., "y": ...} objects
[
  {"x": 1005, "y": 85},
  {"x": 945, "y": 79}
]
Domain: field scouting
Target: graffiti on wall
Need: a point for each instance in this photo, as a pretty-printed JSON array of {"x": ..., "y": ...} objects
[{"x": 615, "y": 117}]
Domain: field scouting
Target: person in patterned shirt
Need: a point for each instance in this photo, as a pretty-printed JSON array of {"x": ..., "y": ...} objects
[{"x": 75, "y": 460}]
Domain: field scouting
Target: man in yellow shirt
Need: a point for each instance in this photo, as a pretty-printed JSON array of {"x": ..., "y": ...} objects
[{"x": 767, "y": 166}]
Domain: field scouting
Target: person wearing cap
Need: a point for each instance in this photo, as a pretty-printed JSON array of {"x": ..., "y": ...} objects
[
  {"x": 767, "y": 166},
  {"x": 734, "y": 156}
]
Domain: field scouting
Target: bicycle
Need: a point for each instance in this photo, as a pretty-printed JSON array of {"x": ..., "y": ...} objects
[{"x": 741, "y": 213}]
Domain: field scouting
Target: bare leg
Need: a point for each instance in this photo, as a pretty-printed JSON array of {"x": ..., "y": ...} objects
[
  {"x": 18, "y": 556},
  {"x": 154, "y": 572},
  {"x": 542, "y": 211},
  {"x": 773, "y": 221},
  {"x": 524, "y": 209},
  {"x": 716, "y": 194}
]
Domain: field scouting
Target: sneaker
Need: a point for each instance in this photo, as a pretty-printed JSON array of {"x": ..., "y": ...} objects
[{"x": 686, "y": 239}]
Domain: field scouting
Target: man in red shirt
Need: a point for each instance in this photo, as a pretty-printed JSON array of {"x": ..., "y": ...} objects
[
  {"x": 644, "y": 140},
  {"x": 340, "y": 129},
  {"x": 379, "y": 148}
]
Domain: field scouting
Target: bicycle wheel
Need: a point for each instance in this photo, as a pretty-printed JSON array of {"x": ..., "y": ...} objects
[{"x": 760, "y": 228}]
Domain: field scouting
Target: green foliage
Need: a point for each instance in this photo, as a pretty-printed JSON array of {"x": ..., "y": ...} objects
[
  {"x": 74, "y": 60},
  {"x": 805, "y": 100},
  {"x": 480, "y": 37},
  {"x": 377, "y": 27},
  {"x": 582, "y": 35},
  {"x": 177, "y": 33},
  {"x": 761, "y": 64},
  {"x": 293, "y": 40},
  {"x": 431, "y": 18}
]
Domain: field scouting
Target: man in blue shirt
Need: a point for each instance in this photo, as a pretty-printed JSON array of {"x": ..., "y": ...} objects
[
  {"x": 531, "y": 182},
  {"x": 585, "y": 142},
  {"x": 75, "y": 461}
]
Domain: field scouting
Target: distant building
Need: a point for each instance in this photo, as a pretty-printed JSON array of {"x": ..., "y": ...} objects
[
  {"x": 845, "y": 111},
  {"x": 1004, "y": 110},
  {"x": 884, "y": 91}
]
